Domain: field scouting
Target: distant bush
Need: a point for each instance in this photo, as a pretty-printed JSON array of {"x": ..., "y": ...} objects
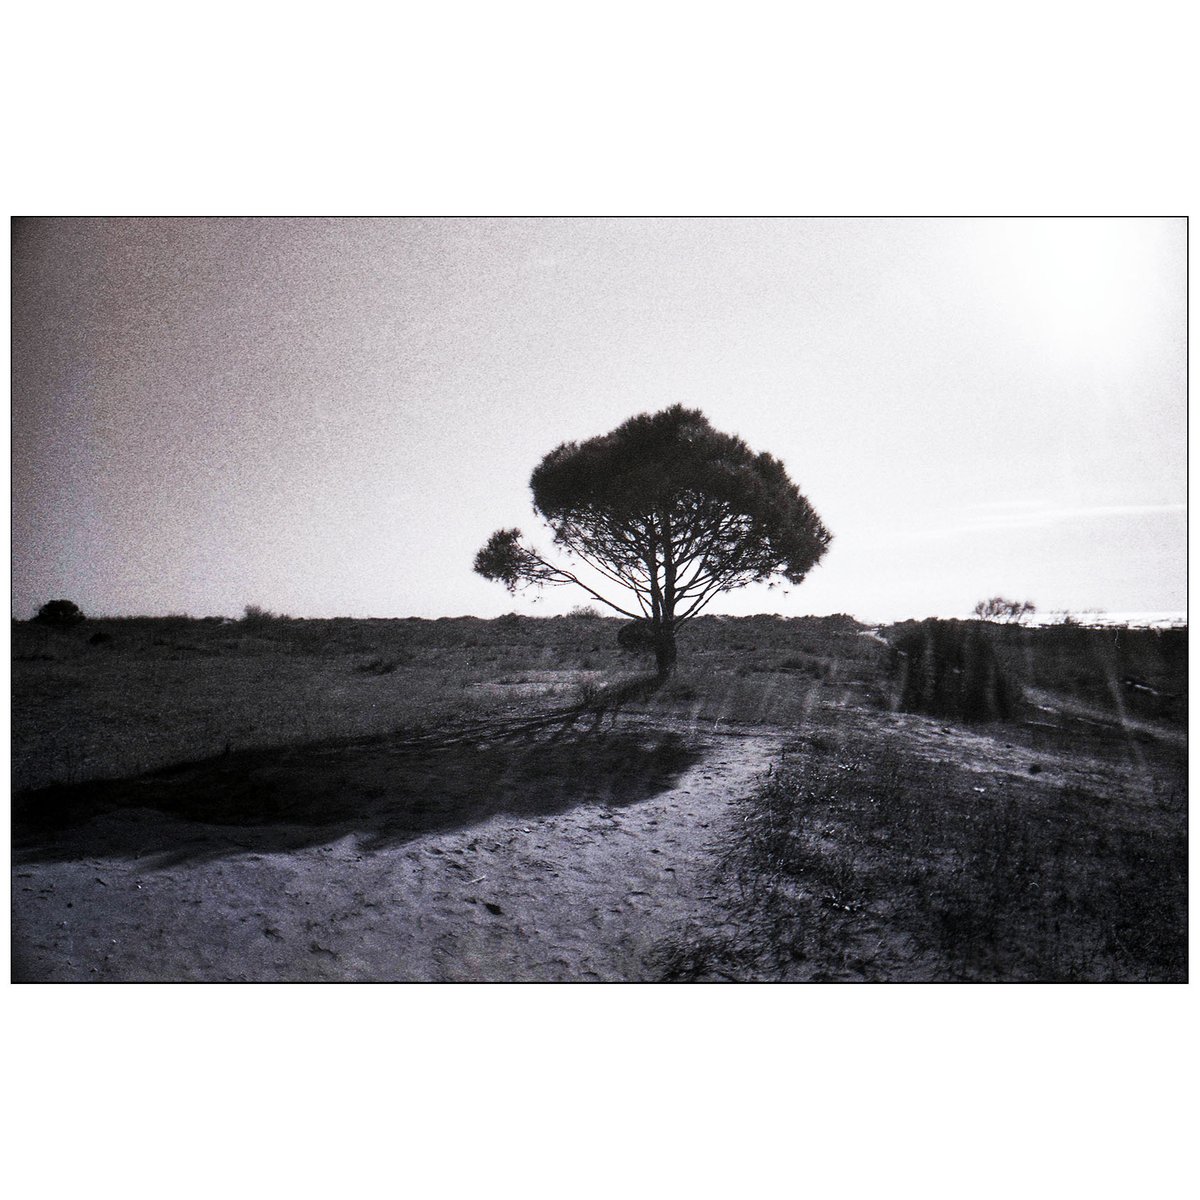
[
  {"x": 1000, "y": 609},
  {"x": 253, "y": 614},
  {"x": 949, "y": 669},
  {"x": 585, "y": 612},
  {"x": 60, "y": 614}
]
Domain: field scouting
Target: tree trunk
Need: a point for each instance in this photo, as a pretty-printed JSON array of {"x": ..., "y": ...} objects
[{"x": 664, "y": 650}]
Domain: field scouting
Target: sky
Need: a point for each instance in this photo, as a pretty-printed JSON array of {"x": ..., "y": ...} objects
[{"x": 329, "y": 417}]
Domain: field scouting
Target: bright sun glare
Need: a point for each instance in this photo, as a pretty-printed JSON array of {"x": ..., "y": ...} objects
[{"x": 1079, "y": 282}]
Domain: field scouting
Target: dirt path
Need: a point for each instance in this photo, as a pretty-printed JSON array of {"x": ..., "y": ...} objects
[{"x": 582, "y": 891}]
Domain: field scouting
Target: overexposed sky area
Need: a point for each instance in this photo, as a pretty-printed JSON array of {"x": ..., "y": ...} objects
[{"x": 329, "y": 417}]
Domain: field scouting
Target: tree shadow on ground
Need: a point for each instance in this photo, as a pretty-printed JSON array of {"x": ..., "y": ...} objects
[{"x": 384, "y": 790}]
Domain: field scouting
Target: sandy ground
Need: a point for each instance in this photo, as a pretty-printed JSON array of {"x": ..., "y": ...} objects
[
  {"x": 571, "y": 846},
  {"x": 548, "y": 860}
]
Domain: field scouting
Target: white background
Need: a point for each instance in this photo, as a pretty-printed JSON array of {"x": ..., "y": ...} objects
[{"x": 622, "y": 1091}]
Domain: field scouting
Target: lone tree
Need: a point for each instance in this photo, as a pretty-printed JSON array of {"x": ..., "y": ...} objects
[{"x": 668, "y": 509}]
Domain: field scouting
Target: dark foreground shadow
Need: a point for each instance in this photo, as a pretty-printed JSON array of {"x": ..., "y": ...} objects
[{"x": 385, "y": 790}]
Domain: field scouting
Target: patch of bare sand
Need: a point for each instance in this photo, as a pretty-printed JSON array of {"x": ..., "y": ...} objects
[{"x": 543, "y": 889}]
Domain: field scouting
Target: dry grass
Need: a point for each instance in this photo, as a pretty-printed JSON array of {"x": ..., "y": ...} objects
[{"x": 861, "y": 861}]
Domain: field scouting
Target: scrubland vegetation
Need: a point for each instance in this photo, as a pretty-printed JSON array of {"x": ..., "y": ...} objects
[
  {"x": 873, "y": 861},
  {"x": 162, "y": 690},
  {"x": 1042, "y": 840}
]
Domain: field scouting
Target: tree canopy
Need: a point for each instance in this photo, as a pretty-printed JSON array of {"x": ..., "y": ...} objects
[{"x": 669, "y": 510}]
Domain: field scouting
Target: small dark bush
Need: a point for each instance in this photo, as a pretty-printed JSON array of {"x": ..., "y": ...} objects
[
  {"x": 949, "y": 669},
  {"x": 98, "y": 639},
  {"x": 637, "y": 637},
  {"x": 60, "y": 614}
]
